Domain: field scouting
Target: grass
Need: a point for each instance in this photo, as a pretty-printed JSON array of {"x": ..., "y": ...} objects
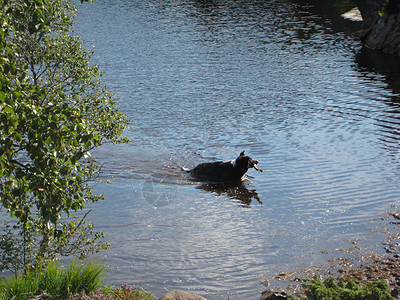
[
  {"x": 76, "y": 282},
  {"x": 59, "y": 283}
]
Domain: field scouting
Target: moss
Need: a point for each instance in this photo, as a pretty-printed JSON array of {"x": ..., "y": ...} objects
[{"x": 344, "y": 289}]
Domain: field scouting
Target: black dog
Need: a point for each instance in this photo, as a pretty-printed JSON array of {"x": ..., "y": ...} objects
[{"x": 224, "y": 171}]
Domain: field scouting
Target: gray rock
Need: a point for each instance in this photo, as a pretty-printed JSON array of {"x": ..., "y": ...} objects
[
  {"x": 381, "y": 19},
  {"x": 42, "y": 297},
  {"x": 181, "y": 295},
  {"x": 370, "y": 10},
  {"x": 273, "y": 295},
  {"x": 385, "y": 34}
]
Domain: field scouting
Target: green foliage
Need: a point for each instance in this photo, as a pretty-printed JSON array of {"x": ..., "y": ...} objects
[
  {"x": 59, "y": 283},
  {"x": 76, "y": 282},
  {"x": 53, "y": 111},
  {"x": 342, "y": 289},
  {"x": 125, "y": 292}
]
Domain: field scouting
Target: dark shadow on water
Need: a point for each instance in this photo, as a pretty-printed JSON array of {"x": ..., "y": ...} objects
[
  {"x": 235, "y": 191},
  {"x": 373, "y": 61}
]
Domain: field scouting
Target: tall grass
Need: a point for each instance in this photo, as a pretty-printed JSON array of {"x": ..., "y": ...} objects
[{"x": 56, "y": 281}]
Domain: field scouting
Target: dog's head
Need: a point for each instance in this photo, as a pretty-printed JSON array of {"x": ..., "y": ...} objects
[{"x": 247, "y": 162}]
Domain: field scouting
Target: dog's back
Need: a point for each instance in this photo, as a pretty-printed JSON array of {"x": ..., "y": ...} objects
[
  {"x": 224, "y": 171},
  {"x": 217, "y": 171}
]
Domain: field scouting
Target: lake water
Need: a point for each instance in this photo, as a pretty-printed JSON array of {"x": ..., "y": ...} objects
[{"x": 203, "y": 81}]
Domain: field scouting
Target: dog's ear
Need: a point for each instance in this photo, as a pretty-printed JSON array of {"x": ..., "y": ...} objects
[{"x": 242, "y": 154}]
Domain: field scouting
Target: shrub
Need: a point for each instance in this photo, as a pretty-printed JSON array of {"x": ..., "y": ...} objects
[{"x": 126, "y": 292}]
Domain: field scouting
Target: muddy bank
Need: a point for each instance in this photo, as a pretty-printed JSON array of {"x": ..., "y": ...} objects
[{"x": 354, "y": 263}]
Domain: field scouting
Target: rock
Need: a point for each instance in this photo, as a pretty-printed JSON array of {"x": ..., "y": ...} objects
[
  {"x": 384, "y": 33},
  {"x": 265, "y": 282},
  {"x": 369, "y": 10},
  {"x": 353, "y": 15},
  {"x": 181, "y": 295},
  {"x": 395, "y": 293},
  {"x": 42, "y": 297},
  {"x": 381, "y": 22},
  {"x": 273, "y": 295}
]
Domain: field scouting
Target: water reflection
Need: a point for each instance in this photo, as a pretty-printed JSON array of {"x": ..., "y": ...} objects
[
  {"x": 371, "y": 61},
  {"x": 379, "y": 67},
  {"x": 236, "y": 191}
]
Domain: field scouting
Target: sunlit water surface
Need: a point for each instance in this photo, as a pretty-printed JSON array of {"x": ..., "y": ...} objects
[{"x": 205, "y": 80}]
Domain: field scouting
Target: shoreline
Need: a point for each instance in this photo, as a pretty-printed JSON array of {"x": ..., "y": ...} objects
[{"x": 359, "y": 266}]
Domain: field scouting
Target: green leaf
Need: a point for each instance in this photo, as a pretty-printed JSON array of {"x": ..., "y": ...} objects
[
  {"x": 8, "y": 110},
  {"x": 47, "y": 122}
]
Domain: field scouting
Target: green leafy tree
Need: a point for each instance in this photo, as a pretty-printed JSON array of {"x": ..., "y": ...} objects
[{"x": 53, "y": 111}]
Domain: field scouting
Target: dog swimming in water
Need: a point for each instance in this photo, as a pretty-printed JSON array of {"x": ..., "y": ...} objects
[{"x": 220, "y": 171}]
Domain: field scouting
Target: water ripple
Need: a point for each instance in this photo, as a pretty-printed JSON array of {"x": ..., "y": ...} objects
[{"x": 203, "y": 81}]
